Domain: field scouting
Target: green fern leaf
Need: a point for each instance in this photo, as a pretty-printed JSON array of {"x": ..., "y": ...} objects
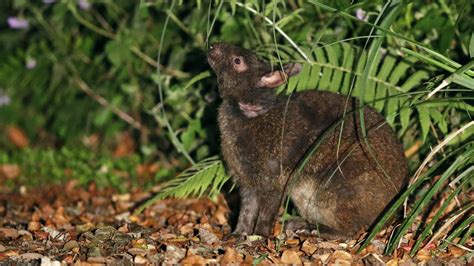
[
  {"x": 356, "y": 91},
  {"x": 348, "y": 61},
  {"x": 196, "y": 180},
  {"x": 424, "y": 115},
  {"x": 326, "y": 70},
  {"x": 336, "y": 78}
]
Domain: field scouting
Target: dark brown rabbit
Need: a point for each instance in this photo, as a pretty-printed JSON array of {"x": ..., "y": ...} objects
[{"x": 348, "y": 180}]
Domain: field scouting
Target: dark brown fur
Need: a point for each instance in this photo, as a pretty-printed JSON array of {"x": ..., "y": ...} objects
[{"x": 342, "y": 188}]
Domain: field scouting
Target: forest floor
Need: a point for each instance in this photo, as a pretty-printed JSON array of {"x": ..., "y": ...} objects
[{"x": 77, "y": 225}]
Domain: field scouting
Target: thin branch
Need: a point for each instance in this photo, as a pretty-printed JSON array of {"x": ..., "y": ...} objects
[
  {"x": 169, "y": 71},
  {"x": 102, "y": 101},
  {"x": 134, "y": 49}
]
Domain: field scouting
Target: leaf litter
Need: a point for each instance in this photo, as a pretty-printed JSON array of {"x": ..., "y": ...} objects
[{"x": 70, "y": 224}]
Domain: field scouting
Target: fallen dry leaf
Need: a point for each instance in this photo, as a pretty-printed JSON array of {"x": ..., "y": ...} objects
[
  {"x": 9, "y": 171},
  {"x": 392, "y": 262},
  {"x": 308, "y": 248},
  {"x": 139, "y": 260},
  {"x": 221, "y": 215},
  {"x": 423, "y": 255},
  {"x": 60, "y": 218},
  {"x": 207, "y": 237},
  {"x": 174, "y": 254},
  {"x": 290, "y": 257},
  {"x": 292, "y": 242},
  {"x": 277, "y": 229},
  {"x": 340, "y": 257},
  {"x": 29, "y": 256},
  {"x": 170, "y": 231},
  {"x": 17, "y": 136},
  {"x": 193, "y": 260},
  {"x": 457, "y": 252},
  {"x": 328, "y": 245},
  {"x": 125, "y": 146},
  {"x": 147, "y": 170},
  {"x": 272, "y": 260},
  {"x": 34, "y": 226},
  {"x": 186, "y": 229},
  {"x": 231, "y": 257},
  {"x": 8, "y": 233},
  {"x": 11, "y": 253},
  {"x": 406, "y": 262}
]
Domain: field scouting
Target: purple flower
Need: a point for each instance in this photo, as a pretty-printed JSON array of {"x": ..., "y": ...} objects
[
  {"x": 17, "y": 23},
  {"x": 84, "y": 4},
  {"x": 30, "y": 63},
  {"x": 48, "y": 2},
  {"x": 361, "y": 14},
  {"x": 4, "y": 99}
]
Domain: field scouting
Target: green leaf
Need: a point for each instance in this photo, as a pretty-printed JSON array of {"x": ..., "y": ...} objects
[
  {"x": 305, "y": 76},
  {"x": 18, "y": 4},
  {"x": 440, "y": 120},
  {"x": 468, "y": 133},
  {"x": 347, "y": 63},
  {"x": 391, "y": 107},
  {"x": 460, "y": 160},
  {"x": 471, "y": 46},
  {"x": 327, "y": 71},
  {"x": 117, "y": 52},
  {"x": 463, "y": 80},
  {"x": 335, "y": 84},
  {"x": 102, "y": 117},
  {"x": 207, "y": 175},
  {"x": 438, "y": 214},
  {"x": 414, "y": 79},
  {"x": 382, "y": 89},
  {"x": 357, "y": 89},
  {"x": 233, "y": 5},
  {"x": 425, "y": 121}
]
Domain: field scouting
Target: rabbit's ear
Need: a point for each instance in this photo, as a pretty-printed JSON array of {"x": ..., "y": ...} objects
[{"x": 278, "y": 77}]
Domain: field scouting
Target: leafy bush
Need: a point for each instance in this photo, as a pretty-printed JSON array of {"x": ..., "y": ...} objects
[
  {"x": 141, "y": 67},
  {"x": 67, "y": 163}
]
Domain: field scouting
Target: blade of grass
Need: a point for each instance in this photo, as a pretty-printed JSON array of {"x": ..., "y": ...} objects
[
  {"x": 420, "y": 204},
  {"x": 400, "y": 201},
  {"x": 393, "y": 10},
  {"x": 179, "y": 146},
  {"x": 458, "y": 230},
  {"x": 439, "y": 147},
  {"x": 428, "y": 228},
  {"x": 271, "y": 23},
  {"x": 449, "y": 223}
]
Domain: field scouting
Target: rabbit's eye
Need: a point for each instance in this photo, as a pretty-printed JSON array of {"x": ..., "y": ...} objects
[{"x": 238, "y": 63}]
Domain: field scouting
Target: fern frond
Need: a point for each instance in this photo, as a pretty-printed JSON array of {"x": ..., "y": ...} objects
[
  {"x": 193, "y": 182},
  {"x": 207, "y": 176},
  {"x": 333, "y": 67}
]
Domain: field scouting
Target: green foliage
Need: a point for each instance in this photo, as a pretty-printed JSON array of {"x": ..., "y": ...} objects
[
  {"x": 97, "y": 71},
  {"x": 114, "y": 54},
  {"x": 209, "y": 173},
  {"x": 463, "y": 159},
  {"x": 40, "y": 166},
  {"x": 334, "y": 67},
  {"x": 207, "y": 176}
]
